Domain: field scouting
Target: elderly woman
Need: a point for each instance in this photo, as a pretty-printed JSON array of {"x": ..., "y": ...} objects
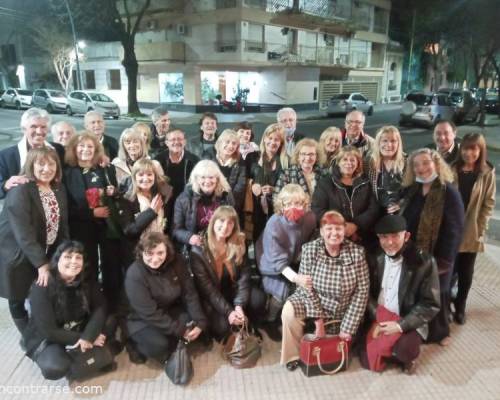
[
  {"x": 62, "y": 132},
  {"x": 334, "y": 285},
  {"x": 207, "y": 190},
  {"x": 385, "y": 168},
  {"x": 435, "y": 215},
  {"x": 222, "y": 276},
  {"x": 164, "y": 303},
  {"x": 279, "y": 248},
  {"x": 475, "y": 180},
  {"x": 68, "y": 311},
  {"x": 227, "y": 148},
  {"x": 329, "y": 145},
  {"x": 33, "y": 222},
  {"x": 305, "y": 170},
  {"x": 348, "y": 191}
]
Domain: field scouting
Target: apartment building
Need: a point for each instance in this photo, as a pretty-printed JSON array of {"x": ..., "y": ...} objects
[{"x": 276, "y": 52}]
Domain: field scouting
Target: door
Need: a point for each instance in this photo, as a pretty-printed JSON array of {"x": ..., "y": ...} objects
[{"x": 10, "y": 97}]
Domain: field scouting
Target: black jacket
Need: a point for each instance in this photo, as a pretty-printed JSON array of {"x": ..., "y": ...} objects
[
  {"x": 237, "y": 179},
  {"x": 110, "y": 145},
  {"x": 154, "y": 294},
  {"x": 209, "y": 285},
  {"x": 189, "y": 160},
  {"x": 157, "y": 145},
  {"x": 418, "y": 295}
]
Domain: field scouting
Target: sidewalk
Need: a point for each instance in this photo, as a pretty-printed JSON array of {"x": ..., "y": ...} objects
[
  {"x": 491, "y": 132},
  {"x": 468, "y": 368}
]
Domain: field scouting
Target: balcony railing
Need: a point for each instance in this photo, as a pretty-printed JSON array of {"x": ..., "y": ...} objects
[
  {"x": 229, "y": 46},
  {"x": 254, "y": 46},
  {"x": 332, "y": 9}
]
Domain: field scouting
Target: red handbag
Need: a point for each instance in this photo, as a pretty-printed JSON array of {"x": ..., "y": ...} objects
[{"x": 323, "y": 356}]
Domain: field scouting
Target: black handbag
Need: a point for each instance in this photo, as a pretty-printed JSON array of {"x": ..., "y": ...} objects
[
  {"x": 90, "y": 363},
  {"x": 179, "y": 367}
]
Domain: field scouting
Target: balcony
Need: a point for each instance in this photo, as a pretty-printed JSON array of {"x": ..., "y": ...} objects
[
  {"x": 254, "y": 46},
  {"x": 228, "y": 46},
  {"x": 161, "y": 51}
]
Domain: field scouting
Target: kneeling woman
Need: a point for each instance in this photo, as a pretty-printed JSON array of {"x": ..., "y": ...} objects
[
  {"x": 222, "y": 276},
  {"x": 163, "y": 300},
  {"x": 69, "y": 311},
  {"x": 336, "y": 284}
]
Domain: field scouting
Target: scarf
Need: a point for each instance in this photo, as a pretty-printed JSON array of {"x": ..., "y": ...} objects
[{"x": 431, "y": 217}]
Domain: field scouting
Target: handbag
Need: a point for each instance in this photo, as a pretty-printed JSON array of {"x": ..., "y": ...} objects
[
  {"x": 90, "y": 363},
  {"x": 323, "y": 356},
  {"x": 179, "y": 367},
  {"x": 242, "y": 349}
]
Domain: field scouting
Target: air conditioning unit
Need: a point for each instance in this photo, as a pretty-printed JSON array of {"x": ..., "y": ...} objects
[
  {"x": 151, "y": 24},
  {"x": 181, "y": 29}
]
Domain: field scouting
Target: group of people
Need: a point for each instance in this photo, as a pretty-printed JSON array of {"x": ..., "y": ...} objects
[{"x": 150, "y": 235}]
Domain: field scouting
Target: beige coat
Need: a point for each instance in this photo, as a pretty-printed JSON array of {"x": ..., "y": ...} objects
[{"x": 479, "y": 210}]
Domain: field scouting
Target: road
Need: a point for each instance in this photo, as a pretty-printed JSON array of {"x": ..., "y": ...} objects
[{"x": 413, "y": 137}]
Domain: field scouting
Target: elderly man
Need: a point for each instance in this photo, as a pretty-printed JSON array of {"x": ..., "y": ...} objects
[
  {"x": 404, "y": 297},
  {"x": 287, "y": 117},
  {"x": 354, "y": 135},
  {"x": 445, "y": 140},
  {"x": 35, "y": 124},
  {"x": 94, "y": 123},
  {"x": 159, "y": 129},
  {"x": 62, "y": 132}
]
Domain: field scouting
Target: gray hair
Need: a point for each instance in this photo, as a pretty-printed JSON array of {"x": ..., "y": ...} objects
[
  {"x": 285, "y": 110},
  {"x": 92, "y": 113},
  {"x": 58, "y": 125},
  {"x": 208, "y": 167},
  {"x": 157, "y": 113},
  {"x": 34, "y": 113},
  {"x": 131, "y": 134}
]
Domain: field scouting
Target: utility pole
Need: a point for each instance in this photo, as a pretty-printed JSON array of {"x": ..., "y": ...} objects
[
  {"x": 75, "y": 46},
  {"x": 411, "y": 49}
]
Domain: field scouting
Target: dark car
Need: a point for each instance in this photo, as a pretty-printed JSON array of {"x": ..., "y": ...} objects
[{"x": 491, "y": 104}]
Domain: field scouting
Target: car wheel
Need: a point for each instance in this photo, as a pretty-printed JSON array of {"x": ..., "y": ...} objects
[
  {"x": 18, "y": 105},
  {"x": 49, "y": 108},
  {"x": 69, "y": 111},
  {"x": 90, "y": 109},
  {"x": 116, "y": 116},
  {"x": 370, "y": 111}
]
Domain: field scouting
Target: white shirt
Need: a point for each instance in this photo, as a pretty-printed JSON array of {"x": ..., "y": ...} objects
[{"x": 390, "y": 284}]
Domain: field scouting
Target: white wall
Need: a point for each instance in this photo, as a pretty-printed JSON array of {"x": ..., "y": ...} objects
[{"x": 273, "y": 81}]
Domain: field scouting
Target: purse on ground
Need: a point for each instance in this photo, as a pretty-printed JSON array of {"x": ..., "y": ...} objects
[
  {"x": 242, "y": 349},
  {"x": 323, "y": 356},
  {"x": 179, "y": 367}
]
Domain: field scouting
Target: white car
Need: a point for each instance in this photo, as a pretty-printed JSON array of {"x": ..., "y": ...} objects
[
  {"x": 18, "y": 98},
  {"x": 346, "y": 102},
  {"x": 82, "y": 101},
  {"x": 51, "y": 100}
]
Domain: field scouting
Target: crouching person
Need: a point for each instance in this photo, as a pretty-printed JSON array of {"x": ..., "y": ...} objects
[
  {"x": 404, "y": 298},
  {"x": 164, "y": 304},
  {"x": 66, "y": 333}
]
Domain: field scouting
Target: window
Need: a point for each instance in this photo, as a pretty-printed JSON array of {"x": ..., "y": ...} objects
[
  {"x": 89, "y": 79},
  {"x": 255, "y": 40},
  {"x": 226, "y": 38},
  {"x": 114, "y": 79}
]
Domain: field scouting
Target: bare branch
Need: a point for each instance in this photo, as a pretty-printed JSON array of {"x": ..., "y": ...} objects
[{"x": 146, "y": 5}]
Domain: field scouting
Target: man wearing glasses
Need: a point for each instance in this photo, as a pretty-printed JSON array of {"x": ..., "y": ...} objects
[{"x": 353, "y": 134}]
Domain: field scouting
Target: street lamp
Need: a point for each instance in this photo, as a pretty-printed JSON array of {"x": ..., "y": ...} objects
[{"x": 75, "y": 46}]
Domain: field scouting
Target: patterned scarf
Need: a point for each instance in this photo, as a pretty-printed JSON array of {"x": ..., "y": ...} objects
[{"x": 431, "y": 217}]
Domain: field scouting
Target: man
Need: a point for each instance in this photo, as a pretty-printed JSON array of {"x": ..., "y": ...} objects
[
  {"x": 94, "y": 123},
  {"x": 287, "y": 117},
  {"x": 62, "y": 132},
  {"x": 404, "y": 297},
  {"x": 204, "y": 145},
  {"x": 354, "y": 135},
  {"x": 159, "y": 129},
  {"x": 177, "y": 164},
  {"x": 35, "y": 124},
  {"x": 445, "y": 141}
]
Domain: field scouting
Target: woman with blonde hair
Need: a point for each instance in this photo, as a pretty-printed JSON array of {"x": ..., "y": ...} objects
[
  {"x": 385, "y": 168},
  {"x": 434, "y": 212},
  {"x": 206, "y": 191},
  {"x": 279, "y": 248},
  {"x": 329, "y": 145},
  {"x": 223, "y": 277},
  {"x": 145, "y": 131}
]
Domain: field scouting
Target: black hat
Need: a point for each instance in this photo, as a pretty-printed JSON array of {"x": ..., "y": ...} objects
[{"x": 390, "y": 224}]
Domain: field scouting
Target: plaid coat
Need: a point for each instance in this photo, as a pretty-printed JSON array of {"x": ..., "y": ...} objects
[
  {"x": 294, "y": 174},
  {"x": 340, "y": 285}
]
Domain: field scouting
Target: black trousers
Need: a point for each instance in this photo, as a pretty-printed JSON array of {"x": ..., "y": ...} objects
[
  {"x": 439, "y": 326},
  {"x": 464, "y": 269},
  {"x": 153, "y": 343}
]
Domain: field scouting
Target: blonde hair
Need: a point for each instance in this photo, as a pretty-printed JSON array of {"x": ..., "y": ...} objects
[
  {"x": 351, "y": 150},
  {"x": 147, "y": 129},
  {"x": 131, "y": 134},
  {"x": 145, "y": 164},
  {"x": 70, "y": 156},
  {"x": 307, "y": 142},
  {"x": 228, "y": 134},
  {"x": 442, "y": 169},
  {"x": 280, "y": 131},
  {"x": 376, "y": 158},
  {"x": 235, "y": 243},
  {"x": 208, "y": 167},
  {"x": 292, "y": 190},
  {"x": 325, "y": 160}
]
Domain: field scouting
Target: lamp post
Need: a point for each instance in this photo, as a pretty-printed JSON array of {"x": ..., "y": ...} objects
[{"x": 75, "y": 46}]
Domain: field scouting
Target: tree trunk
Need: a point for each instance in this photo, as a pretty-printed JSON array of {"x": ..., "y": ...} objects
[{"x": 131, "y": 69}]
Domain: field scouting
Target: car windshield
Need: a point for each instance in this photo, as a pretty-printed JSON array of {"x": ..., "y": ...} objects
[
  {"x": 99, "y": 97},
  {"x": 56, "y": 93},
  {"x": 340, "y": 97},
  {"x": 419, "y": 99},
  {"x": 456, "y": 97},
  {"x": 25, "y": 92}
]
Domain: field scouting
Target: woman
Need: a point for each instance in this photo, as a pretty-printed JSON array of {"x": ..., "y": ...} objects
[
  {"x": 93, "y": 217},
  {"x": 475, "y": 180},
  {"x": 145, "y": 132},
  {"x": 207, "y": 190},
  {"x": 332, "y": 283},
  {"x": 348, "y": 191},
  {"x": 279, "y": 248},
  {"x": 204, "y": 145},
  {"x": 435, "y": 215},
  {"x": 33, "y": 222},
  {"x": 305, "y": 170},
  {"x": 222, "y": 276},
  {"x": 329, "y": 145},
  {"x": 249, "y": 151},
  {"x": 163, "y": 300},
  {"x": 264, "y": 175},
  {"x": 385, "y": 168},
  {"x": 68, "y": 311},
  {"x": 227, "y": 148}
]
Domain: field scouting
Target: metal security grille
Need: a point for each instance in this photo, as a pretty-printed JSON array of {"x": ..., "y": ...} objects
[{"x": 327, "y": 89}]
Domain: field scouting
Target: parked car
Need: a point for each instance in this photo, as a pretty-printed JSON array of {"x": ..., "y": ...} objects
[
  {"x": 82, "y": 101},
  {"x": 51, "y": 100},
  {"x": 346, "y": 102},
  {"x": 426, "y": 109},
  {"x": 466, "y": 107},
  {"x": 18, "y": 98},
  {"x": 491, "y": 103}
]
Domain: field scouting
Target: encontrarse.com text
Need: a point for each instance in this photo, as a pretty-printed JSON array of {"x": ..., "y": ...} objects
[{"x": 50, "y": 389}]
